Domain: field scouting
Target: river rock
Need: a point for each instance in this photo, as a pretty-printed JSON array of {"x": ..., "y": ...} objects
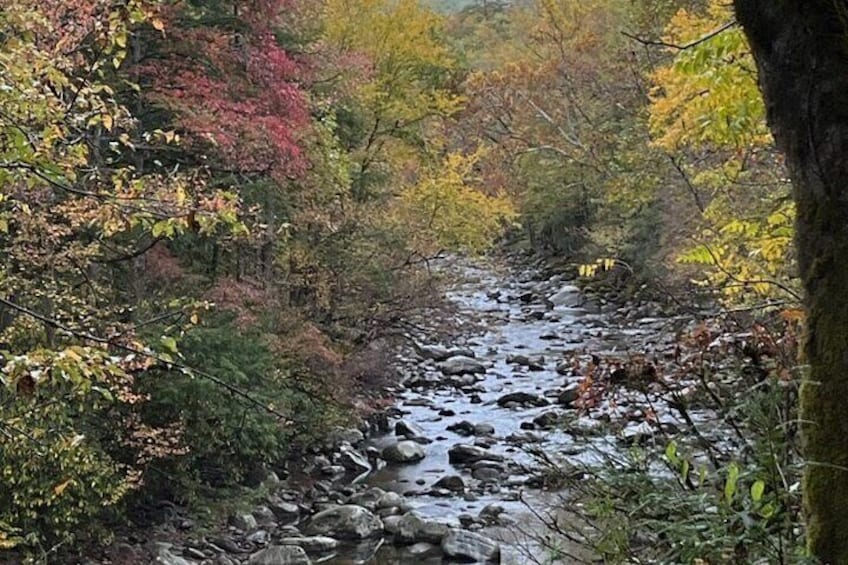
[
  {"x": 163, "y": 554},
  {"x": 340, "y": 435},
  {"x": 391, "y": 524},
  {"x": 524, "y": 361},
  {"x": 423, "y": 549},
  {"x": 522, "y": 398},
  {"x": 409, "y": 430},
  {"x": 347, "y": 522},
  {"x": 463, "y": 545},
  {"x": 280, "y": 555},
  {"x": 412, "y": 529},
  {"x": 565, "y": 368},
  {"x": 264, "y": 516},
  {"x": 368, "y": 498},
  {"x": 390, "y": 500},
  {"x": 283, "y": 510},
  {"x": 354, "y": 461},
  {"x": 244, "y": 522},
  {"x": 463, "y": 428},
  {"x": 403, "y": 452},
  {"x": 569, "y": 395},
  {"x": 547, "y": 420},
  {"x": 487, "y": 474},
  {"x": 312, "y": 544},
  {"x": 441, "y": 353},
  {"x": 463, "y": 454},
  {"x": 461, "y": 365},
  {"x": 452, "y": 483},
  {"x": 568, "y": 296}
]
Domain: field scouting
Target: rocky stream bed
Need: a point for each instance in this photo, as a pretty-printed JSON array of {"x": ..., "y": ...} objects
[{"x": 448, "y": 474}]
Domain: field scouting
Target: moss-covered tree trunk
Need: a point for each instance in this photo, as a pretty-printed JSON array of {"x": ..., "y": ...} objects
[{"x": 801, "y": 49}]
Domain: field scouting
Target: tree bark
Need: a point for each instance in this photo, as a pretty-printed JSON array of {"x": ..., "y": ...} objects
[{"x": 801, "y": 50}]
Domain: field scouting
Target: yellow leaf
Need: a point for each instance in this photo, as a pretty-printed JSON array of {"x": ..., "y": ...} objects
[
  {"x": 108, "y": 121},
  {"x": 157, "y": 24},
  {"x": 60, "y": 488}
]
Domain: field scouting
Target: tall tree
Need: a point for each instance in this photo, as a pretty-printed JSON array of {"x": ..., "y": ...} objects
[{"x": 800, "y": 49}]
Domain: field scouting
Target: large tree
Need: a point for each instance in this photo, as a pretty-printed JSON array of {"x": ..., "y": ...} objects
[{"x": 801, "y": 50}]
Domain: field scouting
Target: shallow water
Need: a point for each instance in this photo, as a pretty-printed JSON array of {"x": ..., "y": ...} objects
[{"x": 488, "y": 297}]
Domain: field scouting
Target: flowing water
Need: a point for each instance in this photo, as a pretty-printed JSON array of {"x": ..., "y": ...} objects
[{"x": 513, "y": 315}]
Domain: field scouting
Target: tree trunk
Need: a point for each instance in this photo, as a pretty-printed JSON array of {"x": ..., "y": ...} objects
[{"x": 801, "y": 50}]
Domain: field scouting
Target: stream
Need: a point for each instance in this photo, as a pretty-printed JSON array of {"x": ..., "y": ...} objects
[{"x": 527, "y": 333}]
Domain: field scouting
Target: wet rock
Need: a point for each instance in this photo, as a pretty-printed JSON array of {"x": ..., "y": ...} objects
[
  {"x": 226, "y": 544},
  {"x": 569, "y": 395},
  {"x": 466, "y": 520},
  {"x": 413, "y": 529},
  {"x": 490, "y": 513},
  {"x": 463, "y": 428},
  {"x": 403, "y": 452},
  {"x": 522, "y": 398},
  {"x": 484, "y": 429},
  {"x": 475, "y": 399},
  {"x": 312, "y": 544},
  {"x": 244, "y": 522},
  {"x": 390, "y": 500},
  {"x": 347, "y": 522},
  {"x": 526, "y": 297},
  {"x": 264, "y": 516},
  {"x": 463, "y": 454},
  {"x": 391, "y": 524},
  {"x": 354, "y": 461},
  {"x": 461, "y": 365},
  {"x": 333, "y": 470},
  {"x": 524, "y": 361},
  {"x": 408, "y": 429},
  {"x": 259, "y": 537},
  {"x": 568, "y": 296},
  {"x": 280, "y": 555},
  {"x": 340, "y": 435},
  {"x": 486, "y": 474},
  {"x": 547, "y": 420},
  {"x": 447, "y": 412},
  {"x": 470, "y": 546},
  {"x": 423, "y": 549},
  {"x": 368, "y": 498},
  {"x": 565, "y": 369},
  {"x": 453, "y": 483},
  {"x": 639, "y": 433},
  {"x": 440, "y": 353},
  {"x": 164, "y": 556}
]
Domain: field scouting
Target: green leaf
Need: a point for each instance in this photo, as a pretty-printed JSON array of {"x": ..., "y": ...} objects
[
  {"x": 730, "y": 484},
  {"x": 757, "y": 490},
  {"x": 671, "y": 452},
  {"x": 170, "y": 344}
]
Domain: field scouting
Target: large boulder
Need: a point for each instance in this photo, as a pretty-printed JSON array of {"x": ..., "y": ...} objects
[
  {"x": 464, "y": 454},
  {"x": 403, "y": 452},
  {"x": 522, "y": 398},
  {"x": 461, "y": 365},
  {"x": 463, "y": 545},
  {"x": 347, "y": 522},
  {"x": 280, "y": 555}
]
